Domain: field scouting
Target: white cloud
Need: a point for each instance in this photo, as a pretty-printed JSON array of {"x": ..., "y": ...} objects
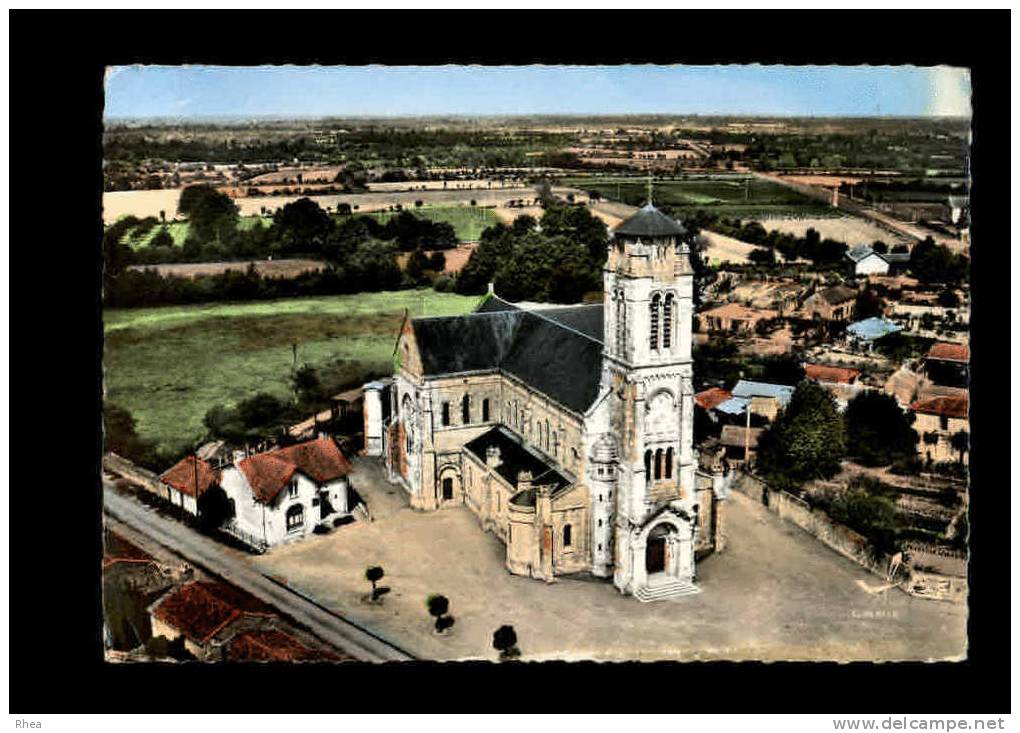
[{"x": 950, "y": 92}]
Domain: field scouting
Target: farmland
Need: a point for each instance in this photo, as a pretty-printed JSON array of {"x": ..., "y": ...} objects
[
  {"x": 179, "y": 231},
  {"x": 729, "y": 195},
  {"x": 168, "y": 366},
  {"x": 149, "y": 203},
  {"x": 467, "y": 221},
  {"x": 266, "y": 268},
  {"x": 849, "y": 229}
]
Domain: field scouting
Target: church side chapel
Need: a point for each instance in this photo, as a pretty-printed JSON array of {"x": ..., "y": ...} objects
[{"x": 567, "y": 430}]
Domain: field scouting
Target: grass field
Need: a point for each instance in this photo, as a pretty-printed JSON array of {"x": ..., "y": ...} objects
[
  {"x": 468, "y": 221},
  {"x": 168, "y": 366},
  {"x": 731, "y": 195}
]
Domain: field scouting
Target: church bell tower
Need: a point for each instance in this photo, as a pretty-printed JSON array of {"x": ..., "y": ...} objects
[{"x": 647, "y": 368}]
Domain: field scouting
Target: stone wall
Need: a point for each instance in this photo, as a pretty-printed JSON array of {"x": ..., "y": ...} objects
[{"x": 852, "y": 545}]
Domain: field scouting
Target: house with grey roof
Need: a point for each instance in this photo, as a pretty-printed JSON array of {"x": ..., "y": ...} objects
[{"x": 566, "y": 430}]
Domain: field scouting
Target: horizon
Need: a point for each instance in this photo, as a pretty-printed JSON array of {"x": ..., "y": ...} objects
[{"x": 197, "y": 93}]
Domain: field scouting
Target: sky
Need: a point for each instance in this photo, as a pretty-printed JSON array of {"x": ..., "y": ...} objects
[{"x": 188, "y": 92}]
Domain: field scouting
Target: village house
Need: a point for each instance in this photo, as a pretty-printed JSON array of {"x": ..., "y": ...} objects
[
  {"x": 866, "y": 261},
  {"x": 733, "y": 318},
  {"x": 282, "y": 494},
  {"x": 186, "y": 480},
  {"x": 864, "y": 334},
  {"x": 937, "y": 419},
  {"x": 840, "y": 382},
  {"x": 567, "y": 430},
  {"x": 835, "y": 303},
  {"x": 740, "y": 443},
  {"x": 947, "y": 364},
  {"x": 200, "y": 612},
  {"x": 758, "y": 401}
]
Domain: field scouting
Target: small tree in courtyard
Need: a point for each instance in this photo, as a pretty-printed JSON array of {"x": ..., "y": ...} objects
[
  {"x": 806, "y": 441},
  {"x": 438, "y": 605},
  {"x": 878, "y": 430},
  {"x": 504, "y": 640},
  {"x": 960, "y": 441},
  {"x": 373, "y": 575}
]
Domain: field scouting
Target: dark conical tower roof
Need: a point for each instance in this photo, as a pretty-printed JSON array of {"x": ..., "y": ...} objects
[{"x": 649, "y": 222}]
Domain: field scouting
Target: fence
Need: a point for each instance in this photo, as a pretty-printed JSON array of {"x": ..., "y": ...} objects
[{"x": 924, "y": 583}]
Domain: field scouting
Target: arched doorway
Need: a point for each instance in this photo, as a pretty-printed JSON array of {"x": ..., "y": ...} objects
[
  {"x": 656, "y": 549},
  {"x": 449, "y": 484}
]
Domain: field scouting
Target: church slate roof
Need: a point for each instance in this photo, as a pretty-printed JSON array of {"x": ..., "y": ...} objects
[
  {"x": 558, "y": 362},
  {"x": 473, "y": 342},
  {"x": 515, "y": 457},
  {"x": 556, "y": 351},
  {"x": 649, "y": 222}
]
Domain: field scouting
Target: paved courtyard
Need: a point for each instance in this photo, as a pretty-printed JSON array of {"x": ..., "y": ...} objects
[{"x": 774, "y": 594}]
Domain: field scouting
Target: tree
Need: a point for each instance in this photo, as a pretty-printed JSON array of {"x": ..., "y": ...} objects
[
  {"x": 301, "y": 226},
  {"x": 437, "y": 262},
  {"x": 417, "y": 263},
  {"x": 252, "y": 418},
  {"x": 960, "y": 441},
  {"x": 806, "y": 441},
  {"x": 948, "y": 298},
  {"x": 306, "y": 384},
  {"x": 762, "y": 256},
  {"x": 504, "y": 640},
  {"x": 880, "y": 247},
  {"x": 373, "y": 575},
  {"x": 162, "y": 238},
  {"x": 868, "y": 305},
  {"x": 214, "y": 508},
  {"x": 438, "y": 606},
  {"x": 878, "y": 432},
  {"x": 212, "y": 215}
]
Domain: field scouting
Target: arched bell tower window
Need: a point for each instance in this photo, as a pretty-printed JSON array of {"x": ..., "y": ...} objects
[
  {"x": 621, "y": 320},
  {"x": 485, "y": 410},
  {"x": 465, "y": 409},
  {"x": 669, "y": 462},
  {"x": 648, "y": 466},
  {"x": 653, "y": 335},
  {"x": 658, "y": 464},
  {"x": 667, "y": 321}
]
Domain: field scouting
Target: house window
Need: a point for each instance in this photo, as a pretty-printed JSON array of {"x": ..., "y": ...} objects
[
  {"x": 667, "y": 321},
  {"x": 943, "y": 422},
  {"x": 653, "y": 328},
  {"x": 446, "y": 413},
  {"x": 485, "y": 410},
  {"x": 465, "y": 409},
  {"x": 292, "y": 489},
  {"x": 295, "y": 517},
  {"x": 566, "y": 536}
]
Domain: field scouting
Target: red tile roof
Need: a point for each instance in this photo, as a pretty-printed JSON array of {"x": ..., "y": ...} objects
[
  {"x": 272, "y": 645},
  {"x": 181, "y": 476},
  {"x": 267, "y": 473},
  {"x": 201, "y": 609},
  {"x": 711, "y": 397},
  {"x": 943, "y": 406},
  {"x": 117, "y": 549},
  {"x": 949, "y": 352},
  {"x": 822, "y": 373}
]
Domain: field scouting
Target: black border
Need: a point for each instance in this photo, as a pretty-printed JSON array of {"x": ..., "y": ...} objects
[{"x": 56, "y": 111}]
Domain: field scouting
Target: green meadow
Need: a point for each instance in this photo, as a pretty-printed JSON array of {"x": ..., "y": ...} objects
[
  {"x": 467, "y": 221},
  {"x": 169, "y": 366}
]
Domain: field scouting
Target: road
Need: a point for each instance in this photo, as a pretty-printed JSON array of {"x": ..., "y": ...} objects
[{"x": 219, "y": 560}]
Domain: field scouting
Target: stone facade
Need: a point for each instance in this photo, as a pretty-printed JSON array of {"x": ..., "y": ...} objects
[{"x": 579, "y": 455}]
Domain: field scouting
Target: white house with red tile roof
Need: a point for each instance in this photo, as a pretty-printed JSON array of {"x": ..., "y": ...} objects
[
  {"x": 186, "y": 480},
  {"x": 284, "y": 493}
]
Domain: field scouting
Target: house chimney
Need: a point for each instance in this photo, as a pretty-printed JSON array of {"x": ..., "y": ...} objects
[
  {"x": 492, "y": 457},
  {"x": 239, "y": 455},
  {"x": 492, "y": 288}
]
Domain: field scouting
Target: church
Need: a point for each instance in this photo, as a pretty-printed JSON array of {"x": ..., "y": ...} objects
[{"x": 567, "y": 430}]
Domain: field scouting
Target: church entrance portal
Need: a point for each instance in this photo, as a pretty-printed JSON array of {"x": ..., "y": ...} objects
[{"x": 655, "y": 555}]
